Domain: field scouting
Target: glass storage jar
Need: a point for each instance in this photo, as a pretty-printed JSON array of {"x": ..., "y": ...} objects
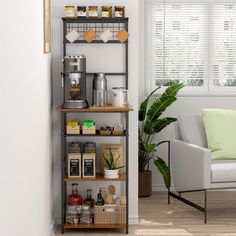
[
  {"x": 106, "y": 11},
  {"x": 69, "y": 11},
  {"x": 119, "y": 12},
  {"x": 93, "y": 11},
  {"x": 81, "y": 11}
]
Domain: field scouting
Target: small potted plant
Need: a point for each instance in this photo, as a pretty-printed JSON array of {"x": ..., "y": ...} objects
[{"x": 111, "y": 167}]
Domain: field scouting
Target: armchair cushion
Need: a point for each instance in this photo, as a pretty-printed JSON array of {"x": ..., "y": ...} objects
[
  {"x": 220, "y": 126},
  {"x": 223, "y": 172},
  {"x": 192, "y": 129}
]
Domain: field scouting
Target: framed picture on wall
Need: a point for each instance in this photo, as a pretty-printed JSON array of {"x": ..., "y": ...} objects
[{"x": 47, "y": 26}]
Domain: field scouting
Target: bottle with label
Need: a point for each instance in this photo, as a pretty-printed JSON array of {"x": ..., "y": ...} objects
[
  {"x": 89, "y": 201},
  {"x": 74, "y": 199},
  {"x": 100, "y": 200}
]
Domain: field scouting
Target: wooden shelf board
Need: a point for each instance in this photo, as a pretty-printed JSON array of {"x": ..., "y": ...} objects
[
  {"x": 96, "y": 109},
  {"x": 99, "y": 177},
  {"x": 97, "y": 134},
  {"x": 94, "y": 226}
]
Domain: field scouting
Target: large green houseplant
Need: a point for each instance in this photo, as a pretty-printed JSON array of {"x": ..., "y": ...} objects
[{"x": 151, "y": 123}]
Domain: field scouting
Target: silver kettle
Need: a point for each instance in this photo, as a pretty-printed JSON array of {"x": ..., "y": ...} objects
[{"x": 100, "y": 94}]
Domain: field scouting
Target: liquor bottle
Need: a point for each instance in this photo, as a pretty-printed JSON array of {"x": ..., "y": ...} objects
[
  {"x": 100, "y": 200},
  {"x": 74, "y": 198},
  {"x": 89, "y": 201}
]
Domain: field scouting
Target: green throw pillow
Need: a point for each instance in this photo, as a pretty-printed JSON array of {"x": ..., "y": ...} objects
[{"x": 220, "y": 126}]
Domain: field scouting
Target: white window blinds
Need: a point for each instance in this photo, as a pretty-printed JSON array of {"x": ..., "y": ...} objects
[
  {"x": 192, "y": 42},
  {"x": 223, "y": 27}
]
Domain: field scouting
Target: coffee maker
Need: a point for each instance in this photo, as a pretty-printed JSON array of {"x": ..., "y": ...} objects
[{"x": 75, "y": 84}]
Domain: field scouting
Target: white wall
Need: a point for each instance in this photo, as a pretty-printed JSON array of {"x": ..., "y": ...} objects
[
  {"x": 99, "y": 63},
  {"x": 25, "y": 123}
]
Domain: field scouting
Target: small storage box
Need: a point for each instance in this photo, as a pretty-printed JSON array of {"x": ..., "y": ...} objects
[
  {"x": 90, "y": 130},
  {"x": 73, "y": 130},
  {"x": 109, "y": 214}
]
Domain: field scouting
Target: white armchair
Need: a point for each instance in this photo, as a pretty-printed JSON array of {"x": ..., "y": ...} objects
[{"x": 191, "y": 165}]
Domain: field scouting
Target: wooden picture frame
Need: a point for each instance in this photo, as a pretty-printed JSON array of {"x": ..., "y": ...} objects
[
  {"x": 47, "y": 26},
  {"x": 117, "y": 149}
]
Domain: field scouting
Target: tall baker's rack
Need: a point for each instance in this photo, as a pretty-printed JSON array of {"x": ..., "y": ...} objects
[{"x": 98, "y": 25}]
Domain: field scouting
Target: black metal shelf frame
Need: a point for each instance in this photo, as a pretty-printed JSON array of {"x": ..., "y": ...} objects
[
  {"x": 119, "y": 23},
  {"x": 81, "y": 25}
]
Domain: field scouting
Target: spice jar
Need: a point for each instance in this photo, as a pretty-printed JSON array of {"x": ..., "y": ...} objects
[
  {"x": 69, "y": 11},
  {"x": 81, "y": 11},
  {"x": 119, "y": 12},
  {"x": 93, "y": 11},
  {"x": 107, "y": 11}
]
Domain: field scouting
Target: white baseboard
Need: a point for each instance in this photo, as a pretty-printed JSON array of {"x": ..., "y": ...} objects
[
  {"x": 133, "y": 220},
  {"x": 52, "y": 230}
]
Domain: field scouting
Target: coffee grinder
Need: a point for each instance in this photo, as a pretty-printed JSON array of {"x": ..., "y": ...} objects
[{"x": 75, "y": 85}]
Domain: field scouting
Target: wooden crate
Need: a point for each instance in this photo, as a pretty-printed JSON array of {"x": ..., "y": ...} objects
[
  {"x": 109, "y": 214},
  {"x": 90, "y": 130},
  {"x": 73, "y": 130}
]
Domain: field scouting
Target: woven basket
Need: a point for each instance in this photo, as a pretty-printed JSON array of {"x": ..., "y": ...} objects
[
  {"x": 117, "y": 132},
  {"x": 109, "y": 214},
  {"x": 105, "y": 132}
]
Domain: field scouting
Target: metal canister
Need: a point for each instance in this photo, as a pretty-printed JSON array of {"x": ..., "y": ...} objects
[
  {"x": 93, "y": 11},
  {"x": 100, "y": 90},
  {"x": 69, "y": 11},
  {"x": 81, "y": 11},
  {"x": 107, "y": 11},
  {"x": 119, "y": 11}
]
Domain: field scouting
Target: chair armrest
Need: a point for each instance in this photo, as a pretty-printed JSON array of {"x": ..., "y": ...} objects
[{"x": 190, "y": 166}]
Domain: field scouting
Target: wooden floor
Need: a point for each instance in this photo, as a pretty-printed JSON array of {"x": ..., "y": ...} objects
[{"x": 159, "y": 218}]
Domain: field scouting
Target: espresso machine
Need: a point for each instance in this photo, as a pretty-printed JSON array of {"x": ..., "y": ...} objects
[{"x": 75, "y": 82}]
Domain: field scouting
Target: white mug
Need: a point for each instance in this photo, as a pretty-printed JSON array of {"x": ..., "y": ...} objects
[{"x": 120, "y": 97}]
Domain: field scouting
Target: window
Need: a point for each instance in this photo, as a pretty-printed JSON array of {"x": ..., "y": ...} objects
[{"x": 193, "y": 42}]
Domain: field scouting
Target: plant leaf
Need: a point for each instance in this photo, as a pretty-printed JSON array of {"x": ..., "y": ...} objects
[
  {"x": 143, "y": 106},
  {"x": 162, "y": 103},
  {"x": 152, "y": 127},
  {"x": 159, "y": 106},
  {"x": 173, "y": 89},
  {"x": 147, "y": 147},
  {"x": 164, "y": 170}
]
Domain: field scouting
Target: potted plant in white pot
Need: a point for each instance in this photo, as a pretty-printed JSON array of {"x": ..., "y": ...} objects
[
  {"x": 152, "y": 123},
  {"x": 111, "y": 165}
]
